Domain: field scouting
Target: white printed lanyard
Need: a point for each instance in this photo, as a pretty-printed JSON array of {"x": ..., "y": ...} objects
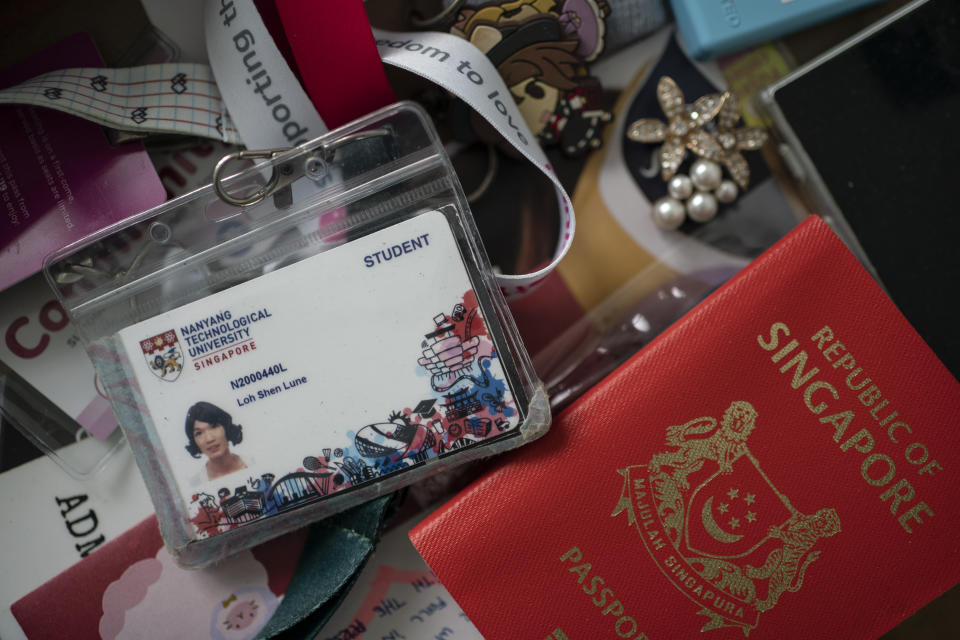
[{"x": 269, "y": 107}]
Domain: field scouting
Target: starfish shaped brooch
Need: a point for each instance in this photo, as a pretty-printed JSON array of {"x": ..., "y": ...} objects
[{"x": 683, "y": 129}]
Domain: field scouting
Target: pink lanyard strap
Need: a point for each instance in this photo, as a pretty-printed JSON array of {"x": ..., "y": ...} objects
[{"x": 336, "y": 57}]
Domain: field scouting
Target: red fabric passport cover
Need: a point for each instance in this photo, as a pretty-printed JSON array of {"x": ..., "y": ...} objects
[{"x": 779, "y": 464}]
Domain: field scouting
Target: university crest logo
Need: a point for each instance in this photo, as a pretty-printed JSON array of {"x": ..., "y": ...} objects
[
  {"x": 716, "y": 525},
  {"x": 163, "y": 355}
]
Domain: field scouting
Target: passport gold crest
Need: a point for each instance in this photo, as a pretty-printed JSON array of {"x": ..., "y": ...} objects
[{"x": 716, "y": 525}]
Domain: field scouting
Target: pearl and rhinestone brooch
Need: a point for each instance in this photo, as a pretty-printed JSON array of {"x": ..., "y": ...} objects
[{"x": 715, "y": 144}]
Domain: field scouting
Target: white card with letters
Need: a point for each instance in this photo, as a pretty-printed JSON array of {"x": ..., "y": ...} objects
[{"x": 351, "y": 365}]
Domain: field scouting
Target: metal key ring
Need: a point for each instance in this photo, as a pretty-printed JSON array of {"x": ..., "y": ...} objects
[
  {"x": 280, "y": 176},
  {"x": 262, "y": 192}
]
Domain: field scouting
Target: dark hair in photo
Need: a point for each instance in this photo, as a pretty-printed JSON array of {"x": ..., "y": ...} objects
[{"x": 211, "y": 414}]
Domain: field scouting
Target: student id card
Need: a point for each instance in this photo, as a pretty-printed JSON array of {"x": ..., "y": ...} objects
[{"x": 354, "y": 364}]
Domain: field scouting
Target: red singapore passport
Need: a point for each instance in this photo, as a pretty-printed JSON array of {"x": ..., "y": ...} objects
[{"x": 781, "y": 463}]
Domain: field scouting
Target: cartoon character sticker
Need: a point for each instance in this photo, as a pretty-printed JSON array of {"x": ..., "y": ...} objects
[{"x": 540, "y": 48}]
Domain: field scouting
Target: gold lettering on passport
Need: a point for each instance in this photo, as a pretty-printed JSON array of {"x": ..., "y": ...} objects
[
  {"x": 823, "y": 398},
  {"x": 716, "y": 525},
  {"x": 624, "y": 626}
]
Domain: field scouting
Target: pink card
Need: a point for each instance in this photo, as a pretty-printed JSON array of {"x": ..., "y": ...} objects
[
  {"x": 132, "y": 587},
  {"x": 60, "y": 179}
]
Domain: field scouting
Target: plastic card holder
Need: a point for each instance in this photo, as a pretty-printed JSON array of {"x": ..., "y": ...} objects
[
  {"x": 51, "y": 430},
  {"x": 339, "y": 337}
]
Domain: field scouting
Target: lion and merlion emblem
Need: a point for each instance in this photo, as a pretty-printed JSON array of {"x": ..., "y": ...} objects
[
  {"x": 716, "y": 524},
  {"x": 163, "y": 355}
]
